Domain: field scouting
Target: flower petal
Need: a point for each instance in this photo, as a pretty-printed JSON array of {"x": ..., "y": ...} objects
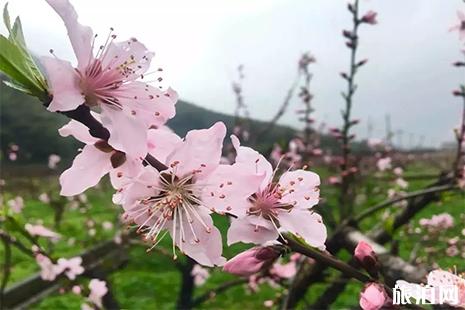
[
  {"x": 253, "y": 161},
  {"x": 142, "y": 185},
  {"x": 242, "y": 230},
  {"x": 300, "y": 188},
  {"x": 125, "y": 173},
  {"x": 64, "y": 83},
  {"x": 127, "y": 134},
  {"x": 205, "y": 247},
  {"x": 228, "y": 189},
  {"x": 305, "y": 224},
  {"x": 130, "y": 54},
  {"x": 200, "y": 152},
  {"x": 78, "y": 131},
  {"x": 80, "y": 36},
  {"x": 161, "y": 142},
  {"x": 88, "y": 168},
  {"x": 148, "y": 104}
]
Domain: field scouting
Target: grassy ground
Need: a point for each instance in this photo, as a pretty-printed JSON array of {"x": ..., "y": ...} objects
[{"x": 150, "y": 281}]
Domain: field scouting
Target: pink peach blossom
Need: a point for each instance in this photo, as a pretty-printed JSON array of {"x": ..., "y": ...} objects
[
  {"x": 41, "y": 231},
  {"x": 384, "y": 164},
  {"x": 265, "y": 208},
  {"x": 436, "y": 279},
  {"x": 13, "y": 156},
  {"x": 16, "y": 204},
  {"x": 71, "y": 267},
  {"x": 98, "y": 289},
  {"x": 53, "y": 161},
  {"x": 171, "y": 200},
  {"x": 108, "y": 80},
  {"x": 76, "y": 289},
  {"x": 401, "y": 183},
  {"x": 200, "y": 275},
  {"x": 44, "y": 197},
  {"x": 48, "y": 270},
  {"x": 438, "y": 222}
]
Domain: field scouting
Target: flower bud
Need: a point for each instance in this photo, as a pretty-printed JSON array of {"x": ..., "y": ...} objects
[
  {"x": 458, "y": 93},
  {"x": 459, "y": 64},
  {"x": 362, "y": 62},
  {"x": 367, "y": 258},
  {"x": 348, "y": 34},
  {"x": 370, "y": 18},
  {"x": 252, "y": 261},
  {"x": 374, "y": 297}
]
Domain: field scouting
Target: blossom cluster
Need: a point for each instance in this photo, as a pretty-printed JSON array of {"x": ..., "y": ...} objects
[{"x": 190, "y": 181}]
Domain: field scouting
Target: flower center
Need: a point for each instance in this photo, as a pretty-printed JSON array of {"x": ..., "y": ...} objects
[
  {"x": 110, "y": 68},
  {"x": 175, "y": 208},
  {"x": 267, "y": 203}
]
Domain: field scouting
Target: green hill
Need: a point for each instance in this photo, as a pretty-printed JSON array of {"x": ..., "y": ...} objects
[{"x": 25, "y": 122}]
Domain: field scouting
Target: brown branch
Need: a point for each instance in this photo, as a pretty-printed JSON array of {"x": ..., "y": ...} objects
[
  {"x": 327, "y": 260},
  {"x": 97, "y": 130}
]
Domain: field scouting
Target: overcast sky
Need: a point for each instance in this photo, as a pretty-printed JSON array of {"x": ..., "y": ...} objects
[{"x": 200, "y": 43}]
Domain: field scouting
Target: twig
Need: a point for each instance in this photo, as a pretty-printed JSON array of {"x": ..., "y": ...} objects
[
  {"x": 345, "y": 199},
  {"x": 389, "y": 202},
  {"x": 327, "y": 260},
  {"x": 282, "y": 109}
]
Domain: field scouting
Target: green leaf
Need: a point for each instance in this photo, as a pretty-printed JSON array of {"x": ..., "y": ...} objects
[
  {"x": 16, "y": 66},
  {"x": 6, "y": 17},
  {"x": 17, "y": 87},
  {"x": 16, "y": 61},
  {"x": 17, "y": 33}
]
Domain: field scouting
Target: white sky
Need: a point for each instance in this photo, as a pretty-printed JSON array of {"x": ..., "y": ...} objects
[{"x": 200, "y": 43}]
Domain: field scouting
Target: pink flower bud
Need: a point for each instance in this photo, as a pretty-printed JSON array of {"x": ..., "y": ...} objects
[
  {"x": 370, "y": 18},
  {"x": 252, "y": 261},
  {"x": 373, "y": 297},
  {"x": 365, "y": 255}
]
